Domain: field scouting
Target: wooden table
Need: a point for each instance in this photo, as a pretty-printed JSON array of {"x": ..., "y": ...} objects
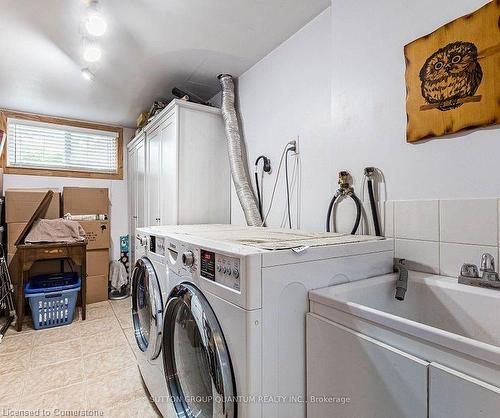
[{"x": 28, "y": 254}]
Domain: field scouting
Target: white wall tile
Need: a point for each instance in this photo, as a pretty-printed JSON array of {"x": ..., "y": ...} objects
[
  {"x": 420, "y": 255},
  {"x": 452, "y": 256},
  {"x": 417, "y": 220},
  {"x": 389, "y": 219},
  {"x": 471, "y": 221}
]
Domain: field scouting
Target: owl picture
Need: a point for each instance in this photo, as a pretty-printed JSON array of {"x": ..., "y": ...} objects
[{"x": 451, "y": 74}]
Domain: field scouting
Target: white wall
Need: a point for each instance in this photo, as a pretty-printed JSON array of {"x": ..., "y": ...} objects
[
  {"x": 288, "y": 94},
  {"x": 117, "y": 194},
  {"x": 339, "y": 84}
]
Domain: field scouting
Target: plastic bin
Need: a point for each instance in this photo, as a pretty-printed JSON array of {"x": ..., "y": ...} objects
[{"x": 52, "y": 299}]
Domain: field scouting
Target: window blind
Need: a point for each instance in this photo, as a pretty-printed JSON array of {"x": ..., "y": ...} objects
[{"x": 32, "y": 144}]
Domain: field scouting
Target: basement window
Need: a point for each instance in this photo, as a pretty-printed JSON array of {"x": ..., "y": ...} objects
[{"x": 73, "y": 150}]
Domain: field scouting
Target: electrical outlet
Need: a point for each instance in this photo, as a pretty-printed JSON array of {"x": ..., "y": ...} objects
[{"x": 295, "y": 143}]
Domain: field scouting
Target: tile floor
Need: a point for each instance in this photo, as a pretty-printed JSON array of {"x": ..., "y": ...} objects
[{"x": 85, "y": 366}]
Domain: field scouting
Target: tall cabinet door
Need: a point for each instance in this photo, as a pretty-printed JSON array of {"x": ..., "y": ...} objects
[
  {"x": 153, "y": 178},
  {"x": 136, "y": 193},
  {"x": 132, "y": 198},
  {"x": 169, "y": 171},
  {"x": 140, "y": 185},
  {"x": 454, "y": 394}
]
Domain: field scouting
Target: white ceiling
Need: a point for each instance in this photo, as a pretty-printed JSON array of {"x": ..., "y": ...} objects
[{"x": 150, "y": 47}]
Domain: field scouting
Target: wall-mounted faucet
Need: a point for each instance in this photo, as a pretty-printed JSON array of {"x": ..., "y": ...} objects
[
  {"x": 402, "y": 282},
  {"x": 469, "y": 273}
]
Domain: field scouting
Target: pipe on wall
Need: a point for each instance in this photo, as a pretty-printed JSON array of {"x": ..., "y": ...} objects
[{"x": 239, "y": 174}]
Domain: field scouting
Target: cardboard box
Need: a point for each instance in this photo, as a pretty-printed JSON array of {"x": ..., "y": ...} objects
[
  {"x": 85, "y": 201},
  {"x": 97, "y": 289},
  {"x": 14, "y": 229},
  {"x": 97, "y": 234},
  {"x": 20, "y": 204},
  {"x": 98, "y": 263}
]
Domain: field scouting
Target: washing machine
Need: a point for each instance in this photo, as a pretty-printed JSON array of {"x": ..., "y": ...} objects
[
  {"x": 234, "y": 323},
  {"x": 149, "y": 297}
]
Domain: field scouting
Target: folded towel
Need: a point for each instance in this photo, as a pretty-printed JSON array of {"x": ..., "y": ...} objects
[{"x": 55, "y": 230}]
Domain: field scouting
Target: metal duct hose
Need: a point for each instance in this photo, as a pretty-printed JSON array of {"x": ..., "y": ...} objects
[{"x": 238, "y": 171}]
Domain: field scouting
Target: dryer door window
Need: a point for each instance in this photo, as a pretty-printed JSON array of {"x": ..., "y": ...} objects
[
  {"x": 147, "y": 312},
  {"x": 198, "y": 369}
]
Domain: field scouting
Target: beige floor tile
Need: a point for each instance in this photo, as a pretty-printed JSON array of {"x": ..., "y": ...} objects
[
  {"x": 121, "y": 303},
  {"x": 105, "y": 362},
  {"x": 54, "y": 376},
  {"x": 69, "y": 398},
  {"x": 103, "y": 341},
  {"x": 99, "y": 312},
  {"x": 140, "y": 408},
  {"x": 11, "y": 388},
  {"x": 97, "y": 326},
  {"x": 18, "y": 361},
  {"x": 17, "y": 342},
  {"x": 114, "y": 389},
  {"x": 124, "y": 305},
  {"x": 57, "y": 334},
  {"x": 55, "y": 353},
  {"x": 125, "y": 319},
  {"x": 130, "y": 335},
  {"x": 9, "y": 406},
  {"x": 98, "y": 304}
]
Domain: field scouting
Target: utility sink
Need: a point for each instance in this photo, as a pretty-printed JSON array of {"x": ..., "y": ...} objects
[{"x": 436, "y": 309}]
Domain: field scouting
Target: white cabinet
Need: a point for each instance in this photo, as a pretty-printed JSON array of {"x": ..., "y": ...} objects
[
  {"x": 454, "y": 394},
  {"x": 352, "y": 375},
  {"x": 153, "y": 177},
  {"x": 136, "y": 188},
  {"x": 187, "y": 175}
]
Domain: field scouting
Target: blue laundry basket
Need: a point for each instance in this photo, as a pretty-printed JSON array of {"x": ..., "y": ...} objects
[{"x": 52, "y": 298}]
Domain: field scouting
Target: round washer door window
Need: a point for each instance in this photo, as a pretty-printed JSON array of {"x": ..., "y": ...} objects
[
  {"x": 146, "y": 307},
  {"x": 197, "y": 365}
]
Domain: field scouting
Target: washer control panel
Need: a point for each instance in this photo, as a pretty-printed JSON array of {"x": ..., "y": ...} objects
[
  {"x": 157, "y": 245},
  {"x": 221, "y": 269}
]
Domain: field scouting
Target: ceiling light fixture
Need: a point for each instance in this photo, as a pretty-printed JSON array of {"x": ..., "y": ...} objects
[
  {"x": 87, "y": 74},
  {"x": 92, "y": 53},
  {"x": 96, "y": 24}
]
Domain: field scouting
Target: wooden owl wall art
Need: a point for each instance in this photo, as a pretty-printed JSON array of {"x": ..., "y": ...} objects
[{"x": 453, "y": 76}]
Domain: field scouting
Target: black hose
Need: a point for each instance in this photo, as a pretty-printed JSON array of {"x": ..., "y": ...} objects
[
  {"x": 373, "y": 206},
  {"x": 329, "y": 213},
  {"x": 358, "y": 212},
  {"x": 258, "y": 195}
]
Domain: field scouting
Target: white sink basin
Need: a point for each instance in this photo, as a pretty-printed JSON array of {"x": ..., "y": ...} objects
[{"x": 436, "y": 308}]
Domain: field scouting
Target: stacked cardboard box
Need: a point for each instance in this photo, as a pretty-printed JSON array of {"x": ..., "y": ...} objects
[
  {"x": 20, "y": 204},
  {"x": 92, "y": 201}
]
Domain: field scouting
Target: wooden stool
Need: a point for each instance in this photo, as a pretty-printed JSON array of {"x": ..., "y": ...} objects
[{"x": 28, "y": 254}]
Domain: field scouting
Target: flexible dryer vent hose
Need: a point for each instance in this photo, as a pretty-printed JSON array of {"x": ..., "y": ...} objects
[{"x": 236, "y": 161}]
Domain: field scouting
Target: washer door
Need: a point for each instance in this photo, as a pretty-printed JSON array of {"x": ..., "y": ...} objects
[
  {"x": 198, "y": 369},
  {"x": 147, "y": 308}
]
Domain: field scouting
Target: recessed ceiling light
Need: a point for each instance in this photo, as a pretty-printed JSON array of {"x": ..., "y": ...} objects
[
  {"x": 96, "y": 25},
  {"x": 92, "y": 53},
  {"x": 87, "y": 74}
]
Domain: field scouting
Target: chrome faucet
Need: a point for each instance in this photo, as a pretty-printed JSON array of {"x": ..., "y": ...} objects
[
  {"x": 469, "y": 273},
  {"x": 487, "y": 267}
]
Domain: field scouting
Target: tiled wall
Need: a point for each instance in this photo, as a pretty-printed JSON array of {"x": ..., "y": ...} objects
[{"x": 438, "y": 236}]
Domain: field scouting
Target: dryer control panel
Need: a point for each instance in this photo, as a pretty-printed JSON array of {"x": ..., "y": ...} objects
[{"x": 221, "y": 269}]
